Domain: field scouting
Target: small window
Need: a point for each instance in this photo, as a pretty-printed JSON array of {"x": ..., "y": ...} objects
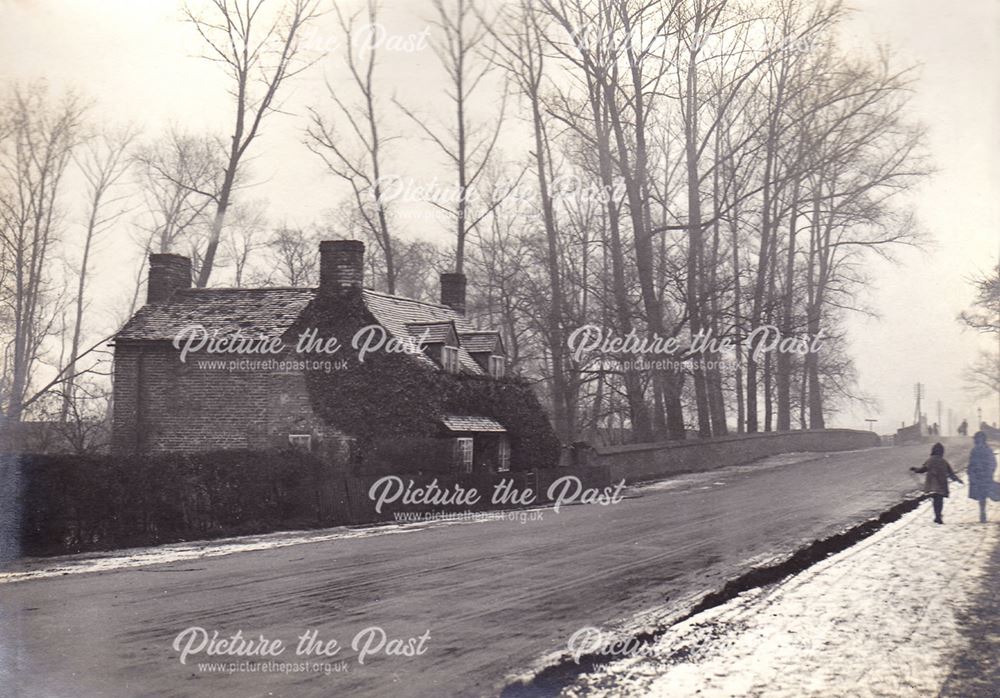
[
  {"x": 503, "y": 455},
  {"x": 463, "y": 454},
  {"x": 497, "y": 366},
  {"x": 301, "y": 441},
  {"x": 449, "y": 359}
]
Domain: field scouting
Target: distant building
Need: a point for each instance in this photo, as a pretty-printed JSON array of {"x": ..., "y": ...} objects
[
  {"x": 445, "y": 400},
  {"x": 914, "y": 433},
  {"x": 992, "y": 433}
]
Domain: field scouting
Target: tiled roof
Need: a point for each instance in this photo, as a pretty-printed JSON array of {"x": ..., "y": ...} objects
[
  {"x": 394, "y": 313},
  {"x": 458, "y": 423},
  {"x": 272, "y": 311},
  {"x": 477, "y": 342},
  {"x": 251, "y": 311},
  {"x": 436, "y": 332}
]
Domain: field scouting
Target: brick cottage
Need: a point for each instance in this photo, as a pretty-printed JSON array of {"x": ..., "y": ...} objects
[{"x": 443, "y": 404}]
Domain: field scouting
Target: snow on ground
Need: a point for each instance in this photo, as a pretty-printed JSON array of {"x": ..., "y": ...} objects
[
  {"x": 38, "y": 568},
  {"x": 708, "y": 477},
  {"x": 878, "y": 619}
]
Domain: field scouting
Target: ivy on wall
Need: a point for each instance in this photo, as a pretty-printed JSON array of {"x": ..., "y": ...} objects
[{"x": 393, "y": 395}]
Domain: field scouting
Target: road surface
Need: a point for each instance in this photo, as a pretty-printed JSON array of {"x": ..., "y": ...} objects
[{"x": 488, "y": 599}]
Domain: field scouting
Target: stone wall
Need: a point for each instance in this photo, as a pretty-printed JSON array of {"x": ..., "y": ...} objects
[{"x": 639, "y": 462}]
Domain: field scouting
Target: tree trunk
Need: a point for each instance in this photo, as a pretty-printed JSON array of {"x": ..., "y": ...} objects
[
  {"x": 560, "y": 390},
  {"x": 642, "y": 426},
  {"x": 695, "y": 244},
  {"x": 783, "y": 369}
]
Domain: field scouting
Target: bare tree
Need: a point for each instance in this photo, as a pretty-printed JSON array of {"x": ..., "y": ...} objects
[
  {"x": 362, "y": 171},
  {"x": 179, "y": 176},
  {"x": 984, "y": 316},
  {"x": 82, "y": 428},
  {"x": 520, "y": 51},
  {"x": 41, "y": 134},
  {"x": 465, "y": 59},
  {"x": 294, "y": 251},
  {"x": 867, "y": 154},
  {"x": 613, "y": 44},
  {"x": 499, "y": 262},
  {"x": 259, "y": 57},
  {"x": 243, "y": 237},
  {"x": 103, "y": 161},
  {"x": 983, "y": 376}
]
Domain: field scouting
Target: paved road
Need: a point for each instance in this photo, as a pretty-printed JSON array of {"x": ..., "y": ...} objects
[{"x": 494, "y": 596}]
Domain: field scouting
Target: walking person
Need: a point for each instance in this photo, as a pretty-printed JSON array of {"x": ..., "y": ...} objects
[
  {"x": 939, "y": 472},
  {"x": 982, "y": 465}
]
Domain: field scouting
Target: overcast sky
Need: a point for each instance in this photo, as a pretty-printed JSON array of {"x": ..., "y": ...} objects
[{"x": 136, "y": 61}]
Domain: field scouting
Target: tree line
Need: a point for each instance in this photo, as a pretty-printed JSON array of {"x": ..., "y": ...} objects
[{"x": 665, "y": 169}]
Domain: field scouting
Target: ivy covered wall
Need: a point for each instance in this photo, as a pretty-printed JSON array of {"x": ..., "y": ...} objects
[{"x": 395, "y": 396}]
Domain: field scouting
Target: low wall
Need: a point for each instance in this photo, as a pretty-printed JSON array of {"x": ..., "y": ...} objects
[
  {"x": 912, "y": 434},
  {"x": 639, "y": 462}
]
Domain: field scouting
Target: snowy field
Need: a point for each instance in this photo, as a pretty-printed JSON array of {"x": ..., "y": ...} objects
[{"x": 878, "y": 619}]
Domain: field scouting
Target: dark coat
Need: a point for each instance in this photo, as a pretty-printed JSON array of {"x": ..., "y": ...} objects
[
  {"x": 982, "y": 465},
  {"x": 938, "y": 473}
]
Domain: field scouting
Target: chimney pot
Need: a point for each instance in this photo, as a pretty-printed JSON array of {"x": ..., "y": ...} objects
[
  {"x": 167, "y": 273},
  {"x": 341, "y": 266},
  {"x": 453, "y": 291}
]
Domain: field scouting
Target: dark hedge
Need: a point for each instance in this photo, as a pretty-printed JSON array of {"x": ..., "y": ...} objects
[
  {"x": 72, "y": 503},
  {"x": 57, "y": 504}
]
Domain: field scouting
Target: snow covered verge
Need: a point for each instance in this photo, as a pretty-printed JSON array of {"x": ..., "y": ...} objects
[
  {"x": 878, "y": 619},
  {"x": 29, "y": 568}
]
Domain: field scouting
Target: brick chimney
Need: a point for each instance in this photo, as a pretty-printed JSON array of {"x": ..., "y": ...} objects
[
  {"x": 167, "y": 273},
  {"x": 341, "y": 266},
  {"x": 453, "y": 292}
]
